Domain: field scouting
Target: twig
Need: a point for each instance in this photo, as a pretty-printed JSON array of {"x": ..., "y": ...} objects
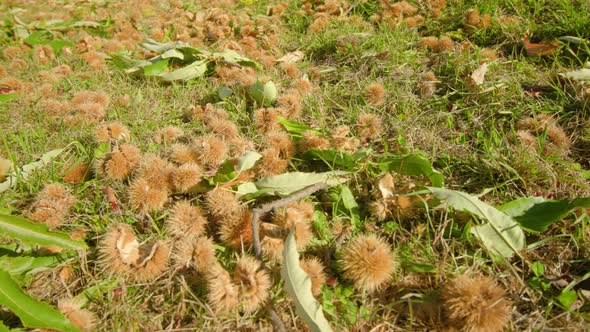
[
  {"x": 265, "y": 208},
  {"x": 351, "y": 8},
  {"x": 276, "y": 321}
]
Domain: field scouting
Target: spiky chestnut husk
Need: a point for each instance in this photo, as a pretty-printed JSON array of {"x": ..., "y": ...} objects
[
  {"x": 222, "y": 293},
  {"x": 186, "y": 220},
  {"x": 475, "y": 303},
  {"x": 368, "y": 261},
  {"x": 254, "y": 283},
  {"x": 144, "y": 197},
  {"x": 315, "y": 270}
]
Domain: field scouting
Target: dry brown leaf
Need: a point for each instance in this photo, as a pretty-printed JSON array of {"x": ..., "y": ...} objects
[
  {"x": 112, "y": 198},
  {"x": 291, "y": 57},
  {"x": 386, "y": 186},
  {"x": 478, "y": 75},
  {"x": 537, "y": 49}
]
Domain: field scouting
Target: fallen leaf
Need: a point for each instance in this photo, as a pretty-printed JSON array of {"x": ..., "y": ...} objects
[
  {"x": 112, "y": 198},
  {"x": 386, "y": 186},
  {"x": 538, "y": 49},
  {"x": 291, "y": 57},
  {"x": 478, "y": 75}
]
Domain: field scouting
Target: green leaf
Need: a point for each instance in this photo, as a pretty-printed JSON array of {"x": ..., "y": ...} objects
[
  {"x": 572, "y": 39},
  {"x": 58, "y": 44},
  {"x": 8, "y": 97},
  {"x": 335, "y": 158},
  {"x": 232, "y": 56},
  {"x": 122, "y": 61},
  {"x": 44, "y": 38},
  {"x": 295, "y": 129},
  {"x": 156, "y": 69},
  {"x": 194, "y": 70},
  {"x": 3, "y": 328},
  {"x": 321, "y": 226},
  {"x": 501, "y": 235},
  {"x": 102, "y": 149},
  {"x": 344, "y": 205},
  {"x": 92, "y": 293},
  {"x": 578, "y": 75},
  {"x": 224, "y": 92},
  {"x": 247, "y": 161},
  {"x": 32, "y": 313},
  {"x": 225, "y": 173},
  {"x": 288, "y": 183},
  {"x": 519, "y": 206},
  {"x": 412, "y": 165},
  {"x": 33, "y": 233},
  {"x": 27, "y": 169},
  {"x": 264, "y": 94},
  {"x": 567, "y": 298},
  {"x": 36, "y": 38},
  {"x": 172, "y": 54},
  {"x": 536, "y": 214},
  {"x": 85, "y": 24},
  {"x": 247, "y": 188},
  {"x": 160, "y": 48},
  {"x": 298, "y": 285},
  {"x": 28, "y": 264},
  {"x": 538, "y": 269}
]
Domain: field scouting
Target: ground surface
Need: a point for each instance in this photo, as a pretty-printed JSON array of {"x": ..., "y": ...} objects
[{"x": 473, "y": 88}]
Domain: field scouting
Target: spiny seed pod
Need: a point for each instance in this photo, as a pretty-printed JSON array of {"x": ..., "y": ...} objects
[
  {"x": 222, "y": 203},
  {"x": 254, "y": 283},
  {"x": 118, "y": 250},
  {"x": 369, "y": 126},
  {"x": 186, "y": 220},
  {"x": 144, "y": 197},
  {"x": 291, "y": 103},
  {"x": 75, "y": 173},
  {"x": 223, "y": 128},
  {"x": 315, "y": 270},
  {"x": 119, "y": 164},
  {"x": 83, "y": 319},
  {"x": 114, "y": 130},
  {"x": 186, "y": 176},
  {"x": 273, "y": 248},
  {"x": 475, "y": 304},
  {"x": 375, "y": 94},
  {"x": 271, "y": 163},
  {"x": 368, "y": 261},
  {"x": 152, "y": 262},
  {"x": 211, "y": 150},
  {"x": 156, "y": 171},
  {"x": 198, "y": 253},
  {"x": 51, "y": 205},
  {"x": 183, "y": 154},
  {"x": 222, "y": 293},
  {"x": 235, "y": 230},
  {"x": 311, "y": 140},
  {"x": 280, "y": 141},
  {"x": 265, "y": 120},
  {"x": 168, "y": 134}
]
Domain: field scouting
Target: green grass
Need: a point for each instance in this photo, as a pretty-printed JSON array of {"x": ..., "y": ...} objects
[{"x": 468, "y": 133}]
